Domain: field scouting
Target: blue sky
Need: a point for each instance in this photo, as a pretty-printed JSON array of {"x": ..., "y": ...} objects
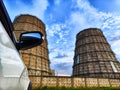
[{"x": 65, "y": 18}]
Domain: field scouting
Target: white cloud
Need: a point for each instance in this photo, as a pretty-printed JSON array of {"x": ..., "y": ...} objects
[
  {"x": 90, "y": 17},
  {"x": 61, "y": 35},
  {"x": 116, "y": 34},
  {"x": 117, "y": 2},
  {"x": 57, "y": 2},
  {"x": 115, "y": 46},
  {"x": 116, "y": 43},
  {"x": 85, "y": 5},
  {"x": 37, "y": 8},
  {"x": 63, "y": 68},
  {"x": 54, "y": 29},
  {"x": 86, "y": 16}
]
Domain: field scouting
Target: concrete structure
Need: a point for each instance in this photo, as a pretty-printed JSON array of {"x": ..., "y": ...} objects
[
  {"x": 95, "y": 64},
  {"x": 66, "y": 81},
  {"x": 36, "y": 59},
  {"x": 93, "y": 56}
]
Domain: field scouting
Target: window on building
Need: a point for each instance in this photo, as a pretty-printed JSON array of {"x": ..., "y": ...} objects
[
  {"x": 113, "y": 66},
  {"x": 78, "y": 59}
]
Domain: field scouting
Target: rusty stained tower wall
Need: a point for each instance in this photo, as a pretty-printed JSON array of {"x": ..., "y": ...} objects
[
  {"x": 93, "y": 56},
  {"x": 36, "y": 59}
]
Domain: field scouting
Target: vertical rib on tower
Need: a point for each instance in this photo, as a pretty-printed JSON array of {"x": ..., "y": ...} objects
[
  {"x": 93, "y": 56},
  {"x": 36, "y": 59}
]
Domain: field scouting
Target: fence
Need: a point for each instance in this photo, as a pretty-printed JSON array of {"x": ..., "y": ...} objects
[{"x": 67, "y": 81}]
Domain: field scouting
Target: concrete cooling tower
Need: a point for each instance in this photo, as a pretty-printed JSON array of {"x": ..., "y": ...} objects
[
  {"x": 93, "y": 56},
  {"x": 36, "y": 59}
]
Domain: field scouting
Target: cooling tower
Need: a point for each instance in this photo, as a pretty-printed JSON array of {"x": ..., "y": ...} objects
[
  {"x": 36, "y": 59},
  {"x": 93, "y": 56}
]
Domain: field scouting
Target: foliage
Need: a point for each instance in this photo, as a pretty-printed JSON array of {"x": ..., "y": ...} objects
[{"x": 80, "y": 88}]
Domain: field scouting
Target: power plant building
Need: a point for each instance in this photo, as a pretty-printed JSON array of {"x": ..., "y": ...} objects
[
  {"x": 36, "y": 59},
  {"x": 93, "y": 56}
]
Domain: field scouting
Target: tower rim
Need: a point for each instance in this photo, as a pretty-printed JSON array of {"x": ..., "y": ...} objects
[{"x": 88, "y": 29}]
